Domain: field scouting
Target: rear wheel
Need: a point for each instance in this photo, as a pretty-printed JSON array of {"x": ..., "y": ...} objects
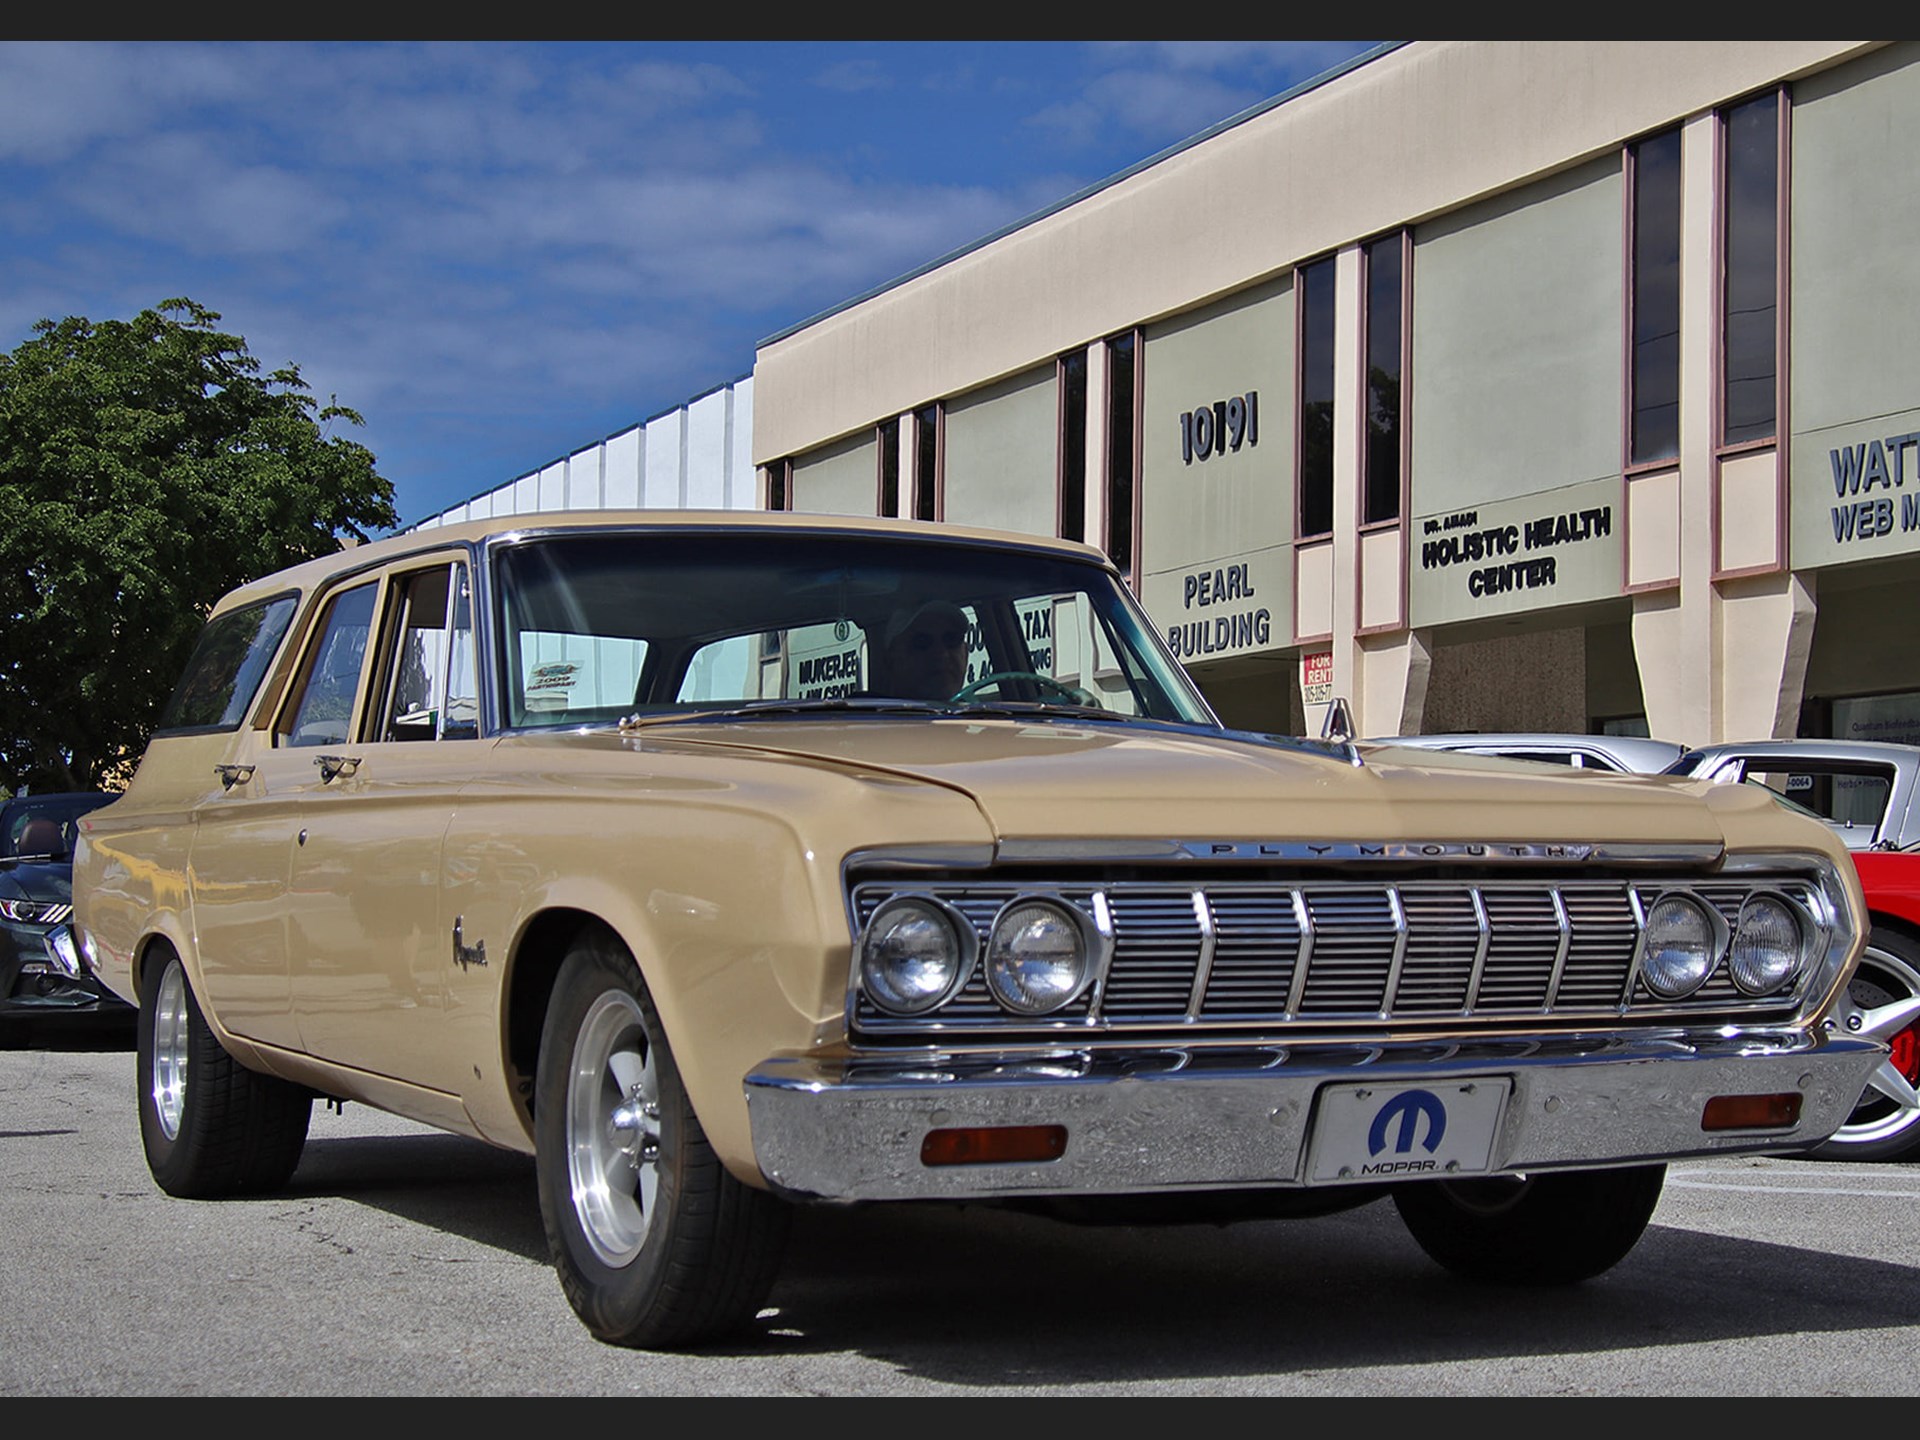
[
  {"x": 1551, "y": 1229},
  {"x": 1883, "y": 1000},
  {"x": 211, "y": 1127},
  {"x": 656, "y": 1244}
]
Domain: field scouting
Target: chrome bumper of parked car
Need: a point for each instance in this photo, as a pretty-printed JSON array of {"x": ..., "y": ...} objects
[{"x": 1205, "y": 1117}]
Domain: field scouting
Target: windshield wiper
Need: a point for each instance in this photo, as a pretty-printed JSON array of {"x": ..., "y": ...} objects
[
  {"x": 763, "y": 709},
  {"x": 1022, "y": 709}
]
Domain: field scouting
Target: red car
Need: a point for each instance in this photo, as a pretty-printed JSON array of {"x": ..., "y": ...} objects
[{"x": 1885, "y": 998}]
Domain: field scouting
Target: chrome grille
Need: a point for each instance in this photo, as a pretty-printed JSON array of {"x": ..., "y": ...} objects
[{"x": 1242, "y": 953}]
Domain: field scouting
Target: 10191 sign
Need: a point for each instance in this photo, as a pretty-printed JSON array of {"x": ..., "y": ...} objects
[{"x": 1222, "y": 426}]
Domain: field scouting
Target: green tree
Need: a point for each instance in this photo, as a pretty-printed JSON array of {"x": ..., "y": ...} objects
[{"x": 146, "y": 467}]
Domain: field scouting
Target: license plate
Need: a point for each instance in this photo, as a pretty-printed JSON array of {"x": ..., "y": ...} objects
[{"x": 1398, "y": 1131}]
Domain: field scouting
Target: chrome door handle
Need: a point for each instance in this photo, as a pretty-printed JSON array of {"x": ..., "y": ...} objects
[
  {"x": 332, "y": 767},
  {"x": 232, "y": 775}
]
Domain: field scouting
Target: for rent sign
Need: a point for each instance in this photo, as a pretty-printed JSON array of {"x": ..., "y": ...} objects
[{"x": 1316, "y": 677}]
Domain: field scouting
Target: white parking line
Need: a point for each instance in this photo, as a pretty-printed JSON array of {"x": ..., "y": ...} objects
[{"x": 1683, "y": 1184}]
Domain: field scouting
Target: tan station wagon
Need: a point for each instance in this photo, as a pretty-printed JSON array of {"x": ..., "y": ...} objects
[{"x": 724, "y": 863}]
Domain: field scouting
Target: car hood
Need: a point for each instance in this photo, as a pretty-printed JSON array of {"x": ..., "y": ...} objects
[
  {"x": 48, "y": 884},
  {"x": 1055, "y": 780}
]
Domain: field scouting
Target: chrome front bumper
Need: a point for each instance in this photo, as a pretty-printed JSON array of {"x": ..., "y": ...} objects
[{"x": 1232, "y": 1117}]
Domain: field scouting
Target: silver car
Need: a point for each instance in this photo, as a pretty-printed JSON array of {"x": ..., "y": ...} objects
[
  {"x": 1628, "y": 754},
  {"x": 1863, "y": 788}
]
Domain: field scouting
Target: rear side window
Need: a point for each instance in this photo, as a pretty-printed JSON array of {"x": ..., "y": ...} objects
[
  {"x": 228, "y": 663},
  {"x": 329, "y": 684}
]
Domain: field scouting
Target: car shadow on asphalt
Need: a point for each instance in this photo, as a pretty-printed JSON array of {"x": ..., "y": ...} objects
[
  {"x": 992, "y": 1298},
  {"x": 464, "y": 1187},
  {"x": 970, "y": 1294},
  {"x": 70, "y": 1033}
]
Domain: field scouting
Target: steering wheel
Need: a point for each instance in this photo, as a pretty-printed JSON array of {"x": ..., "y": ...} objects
[{"x": 1059, "y": 688}]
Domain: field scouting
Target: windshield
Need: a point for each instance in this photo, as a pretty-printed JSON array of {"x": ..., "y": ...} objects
[
  {"x": 58, "y": 816},
  {"x": 598, "y": 628}
]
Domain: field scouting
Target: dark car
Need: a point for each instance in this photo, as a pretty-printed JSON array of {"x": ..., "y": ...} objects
[{"x": 41, "y": 972}]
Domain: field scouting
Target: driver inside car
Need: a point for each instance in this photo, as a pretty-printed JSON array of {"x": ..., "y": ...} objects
[{"x": 923, "y": 653}]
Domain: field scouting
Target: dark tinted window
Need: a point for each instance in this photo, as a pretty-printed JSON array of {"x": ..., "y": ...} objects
[
  {"x": 1656, "y": 299},
  {"x": 1073, "y": 445},
  {"x": 890, "y": 467},
  {"x": 228, "y": 664},
  {"x": 1121, "y": 399},
  {"x": 1751, "y": 300},
  {"x": 1384, "y": 333},
  {"x": 1316, "y": 399},
  {"x": 926, "y": 470}
]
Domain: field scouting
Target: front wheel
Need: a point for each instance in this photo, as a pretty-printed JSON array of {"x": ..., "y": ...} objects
[
  {"x": 1883, "y": 1001},
  {"x": 656, "y": 1244},
  {"x": 1551, "y": 1229},
  {"x": 210, "y": 1126}
]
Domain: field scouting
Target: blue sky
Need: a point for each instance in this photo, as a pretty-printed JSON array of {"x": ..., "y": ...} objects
[{"x": 499, "y": 252}]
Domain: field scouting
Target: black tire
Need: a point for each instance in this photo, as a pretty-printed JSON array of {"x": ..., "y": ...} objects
[
  {"x": 1557, "y": 1228},
  {"x": 211, "y": 1127},
  {"x": 1885, "y": 1125},
  {"x": 655, "y": 1243}
]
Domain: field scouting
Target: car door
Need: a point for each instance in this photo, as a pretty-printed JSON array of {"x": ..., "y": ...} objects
[
  {"x": 367, "y": 957},
  {"x": 246, "y": 823}
]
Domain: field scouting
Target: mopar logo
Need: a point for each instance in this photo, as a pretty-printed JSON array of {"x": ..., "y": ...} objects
[{"x": 1407, "y": 1107}]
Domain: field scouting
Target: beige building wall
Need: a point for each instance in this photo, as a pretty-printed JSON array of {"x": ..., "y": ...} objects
[{"x": 1692, "y": 595}]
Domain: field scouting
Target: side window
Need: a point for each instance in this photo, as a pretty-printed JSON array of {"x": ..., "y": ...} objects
[
  {"x": 428, "y": 692},
  {"x": 1849, "y": 795},
  {"x": 228, "y": 663},
  {"x": 322, "y": 712},
  {"x": 1313, "y": 486}
]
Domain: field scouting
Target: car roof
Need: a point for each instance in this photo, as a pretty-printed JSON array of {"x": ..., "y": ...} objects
[
  {"x": 1883, "y": 752},
  {"x": 350, "y": 557}
]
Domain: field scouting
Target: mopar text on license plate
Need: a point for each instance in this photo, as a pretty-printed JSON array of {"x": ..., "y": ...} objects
[{"x": 1401, "y": 1131}]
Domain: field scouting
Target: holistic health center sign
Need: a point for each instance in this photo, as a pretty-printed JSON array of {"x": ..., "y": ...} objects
[{"x": 1558, "y": 547}]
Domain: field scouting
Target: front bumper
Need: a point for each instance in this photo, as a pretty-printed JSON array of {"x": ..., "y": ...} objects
[
  {"x": 1241, "y": 1116},
  {"x": 40, "y": 978}
]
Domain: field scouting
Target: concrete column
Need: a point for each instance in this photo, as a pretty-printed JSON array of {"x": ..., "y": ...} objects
[
  {"x": 1394, "y": 670},
  {"x": 1096, "y": 480},
  {"x": 1350, "y": 670},
  {"x": 1765, "y": 638}
]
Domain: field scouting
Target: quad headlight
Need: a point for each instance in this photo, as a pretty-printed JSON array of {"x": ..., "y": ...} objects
[
  {"x": 1039, "y": 956},
  {"x": 1769, "y": 944},
  {"x": 1683, "y": 941},
  {"x": 915, "y": 954}
]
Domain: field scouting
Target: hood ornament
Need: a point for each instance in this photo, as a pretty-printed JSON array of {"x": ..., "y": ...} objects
[{"x": 1338, "y": 729}]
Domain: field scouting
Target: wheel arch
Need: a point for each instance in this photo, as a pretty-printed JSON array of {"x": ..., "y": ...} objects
[
  {"x": 1900, "y": 925},
  {"x": 148, "y": 952},
  {"x": 532, "y": 969}
]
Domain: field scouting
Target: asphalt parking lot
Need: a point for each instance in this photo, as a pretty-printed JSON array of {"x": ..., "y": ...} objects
[{"x": 405, "y": 1262}]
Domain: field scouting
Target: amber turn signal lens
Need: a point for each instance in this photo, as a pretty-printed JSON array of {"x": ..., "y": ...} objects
[
  {"x": 993, "y": 1144},
  {"x": 1751, "y": 1112}
]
